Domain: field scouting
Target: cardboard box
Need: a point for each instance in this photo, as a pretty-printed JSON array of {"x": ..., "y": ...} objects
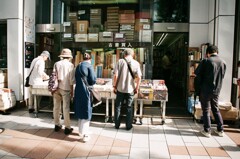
[
  {"x": 92, "y": 37},
  {"x": 144, "y": 36},
  {"x": 142, "y": 15},
  {"x": 126, "y": 21},
  {"x": 81, "y": 37},
  {"x": 142, "y": 26},
  {"x": 96, "y": 11},
  {"x": 145, "y": 93},
  {"x": 72, "y": 16},
  {"x": 105, "y": 37},
  {"x": 3, "y": 77},
  {"x": 67, "y": 27},
  {"x": 231, "y": 114},
  {"x": 119, "y": 37},
  {"x": 127, "y": 16},
  {"x": 82, "y": 26}
]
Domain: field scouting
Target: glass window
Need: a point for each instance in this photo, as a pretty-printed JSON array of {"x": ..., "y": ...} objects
[
  {"x": 3, "y": 45},
  {"x": 171, "y": 11}
]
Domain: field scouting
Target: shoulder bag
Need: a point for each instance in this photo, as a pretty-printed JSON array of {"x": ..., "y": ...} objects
[
  {"x": 53, "y": 81},
  {"x": 95, "y": 96},
  {"x": 27, "y": 78}
]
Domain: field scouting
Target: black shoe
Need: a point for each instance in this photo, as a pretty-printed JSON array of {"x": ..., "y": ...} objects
[
  {"x": 31, "y": 110},
  {"x": 129, "y": 128},
  {"x": 116, "y": 127},
  {"x": 68, "y": 131},
  {"x": 57, "y": 128}
]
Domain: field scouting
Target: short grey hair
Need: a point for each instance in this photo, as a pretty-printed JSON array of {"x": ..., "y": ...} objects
[{"x": 128, "y": 51}]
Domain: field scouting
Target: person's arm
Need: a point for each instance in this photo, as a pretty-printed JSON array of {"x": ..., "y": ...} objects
[
  {"x": 41, "y": 69},
  {"x": 91, "y": 76},
  {"x": 138, "y": 79}
]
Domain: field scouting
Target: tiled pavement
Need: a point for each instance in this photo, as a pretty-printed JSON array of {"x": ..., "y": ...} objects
[{"x": 29, "y": 137}]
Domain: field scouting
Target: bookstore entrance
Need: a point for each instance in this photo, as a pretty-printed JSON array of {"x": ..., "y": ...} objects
[{"x": 170, "y": 62}]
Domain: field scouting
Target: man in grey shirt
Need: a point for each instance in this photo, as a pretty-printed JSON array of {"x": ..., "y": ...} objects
[{"x": 126, "y": 84}]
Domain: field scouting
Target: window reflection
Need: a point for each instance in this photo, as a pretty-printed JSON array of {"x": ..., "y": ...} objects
[{"x": 171, "y": 11}]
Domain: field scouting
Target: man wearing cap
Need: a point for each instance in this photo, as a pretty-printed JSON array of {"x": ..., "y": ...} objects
[
  {"x": 37, "y": 75},
  {"x": 65, "y": 74}
]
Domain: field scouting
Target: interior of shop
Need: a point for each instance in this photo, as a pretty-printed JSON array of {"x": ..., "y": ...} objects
[{"x": 170, "y": 62}]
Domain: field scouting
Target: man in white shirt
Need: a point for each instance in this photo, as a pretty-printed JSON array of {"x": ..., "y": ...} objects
[
  {"x": 37, "y": 75},
  {"x": 124, "y": 86},
  {"x": 65, "y": 74}
]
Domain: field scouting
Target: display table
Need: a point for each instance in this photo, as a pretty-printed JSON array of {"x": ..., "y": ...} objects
[
  {"x": 106, "y": 92},
  {"x": 37, "y": 91},
  {"x": 150, "y": 90}
]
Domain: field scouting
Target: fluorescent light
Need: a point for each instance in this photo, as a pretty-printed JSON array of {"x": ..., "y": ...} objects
[
  {"x": 163, "y": 38},
  {"x": 160, "y": 39}
]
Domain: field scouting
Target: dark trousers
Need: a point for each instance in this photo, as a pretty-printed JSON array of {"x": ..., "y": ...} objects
[
  {"x": 209, "y": 103},
  {"x": 118, "y": 105}
]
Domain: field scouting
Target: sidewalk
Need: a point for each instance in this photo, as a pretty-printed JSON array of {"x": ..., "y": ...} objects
[{"x": 29, "y": 137}]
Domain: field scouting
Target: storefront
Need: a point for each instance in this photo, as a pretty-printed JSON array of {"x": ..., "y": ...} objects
[{"x": 104, "y": 27}]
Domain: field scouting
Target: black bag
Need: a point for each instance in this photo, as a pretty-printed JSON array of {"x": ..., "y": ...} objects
[
  {"x": 27, "y": 78},
  {"x": 27, "y": 82},
  {"x": 95, "y": 96}
]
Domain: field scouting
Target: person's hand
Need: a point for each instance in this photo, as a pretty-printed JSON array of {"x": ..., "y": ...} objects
[
  {"x": 114, "y": 90},
  {"x": 46, "y": 77},
  {"x": 136, "y": 91}
]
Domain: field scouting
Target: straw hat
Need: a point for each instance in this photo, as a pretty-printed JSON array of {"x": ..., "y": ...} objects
[{"x": 66, "y": 53}]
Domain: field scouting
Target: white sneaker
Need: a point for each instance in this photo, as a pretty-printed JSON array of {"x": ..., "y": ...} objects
[
  {"x": 207, "y": 134},
  {"x": 86, "y": 138},
  {"x": 219, "y": 133},
  {"x": 81, "y": 136}
]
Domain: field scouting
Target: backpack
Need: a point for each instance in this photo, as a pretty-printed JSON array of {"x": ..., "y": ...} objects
[{"x": 53, "y": 81}]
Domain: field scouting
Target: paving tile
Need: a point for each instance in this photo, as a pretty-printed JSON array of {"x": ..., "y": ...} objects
[
  {"x": 220, "y": 158},
  {"x": 178, "y": 150},
  {"x": 233, "y": 151},
  {"x": 180, "y": 157},
  {"x": 117, "y": 157},
  {"x": 102, "y": 140},
  {"x": 159, "y": 150},
  {"x": 100, "y": 151},
  {"x": 121, "y": 143},
  {"x": 234, "y": 135},
  {"x": 120, "y": 151},
  {"x": 197, "y": 151},
  {"x": 200, "y": 157},
  {"x": 216, "y": 151},
  {"x": 80, "y": 150},
  {"x": 61, "y": 150},
  {"x": 139, "y": 153},
  {"x": 41, "y": 150},
  {"x": 140, "y": 140}
]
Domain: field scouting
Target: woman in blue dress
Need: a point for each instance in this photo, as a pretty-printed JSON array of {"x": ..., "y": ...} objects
[{"x": 82, "y": 102}]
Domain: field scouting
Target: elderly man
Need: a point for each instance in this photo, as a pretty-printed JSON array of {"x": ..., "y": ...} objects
[
  {"x": 126, "y": 73},
  {"x": 65, "y": 76},
  {"x": 37, "y": 75}
]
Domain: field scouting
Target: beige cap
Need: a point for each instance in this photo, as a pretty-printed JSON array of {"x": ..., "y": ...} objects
[{"x": 66, "y": 53}]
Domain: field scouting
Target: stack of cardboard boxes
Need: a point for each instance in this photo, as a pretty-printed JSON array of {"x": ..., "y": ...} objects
[
  {"x": 7, "y": 99},
  {"x": 143, "y": 27},
  {"x": 3, "y": 79},
  {"x": 126, "y": 22}
]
